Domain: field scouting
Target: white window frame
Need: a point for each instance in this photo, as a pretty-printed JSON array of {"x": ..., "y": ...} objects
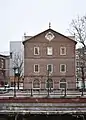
[
  {"x": 61, "y": 50},
  {"x": 65, "y": 83},
  {"x": 49, "y": 51},
  {"x": 51, "y": 67},
  {"x": 37, "y": 49},
  {"x": 34, "y": 68},
  {"x": 61, "y": 67}
]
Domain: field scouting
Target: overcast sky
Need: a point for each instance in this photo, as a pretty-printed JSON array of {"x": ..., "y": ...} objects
[{"x": 33, "y": 16}]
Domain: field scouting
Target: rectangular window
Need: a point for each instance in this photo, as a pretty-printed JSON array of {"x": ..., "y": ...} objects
[
  {"x": 63, "y": 68},
  {"x": 36, "y": 50},
  {"x": 62, "y": 50},
  {"x": 50, "y": 68},
  {"x": 49, "y": 51},
  {"x": 36, "y": 68}
]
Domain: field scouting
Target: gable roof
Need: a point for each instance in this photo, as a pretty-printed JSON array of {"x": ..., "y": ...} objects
[{"x": 31, "y": 37}]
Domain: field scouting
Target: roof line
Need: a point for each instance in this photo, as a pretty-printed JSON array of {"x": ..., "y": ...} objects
[{"x": 47, "y": 30}]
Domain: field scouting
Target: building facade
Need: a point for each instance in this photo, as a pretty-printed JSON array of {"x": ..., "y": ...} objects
[
  {"x": 81, "y": 67},
  {"x": 4, "y": 70},
  {"x": 49, "y": 61}
]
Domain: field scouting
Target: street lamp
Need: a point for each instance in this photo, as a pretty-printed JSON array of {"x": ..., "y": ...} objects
[
  {"x": 83, "y": 78},
  {"x": 18, "y": 75},
  {"x": 65, "y": 90},
  {"x": 77, "y": 83},
  {"x": 15, "y": 75},
  {"x": 77, "y": 77},
  {"x": 48, "y": 84}
]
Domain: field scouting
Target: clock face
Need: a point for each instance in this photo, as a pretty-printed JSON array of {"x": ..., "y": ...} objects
[{"x": 49, "y": 36}]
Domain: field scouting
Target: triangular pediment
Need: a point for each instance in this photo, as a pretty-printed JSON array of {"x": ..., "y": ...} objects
[{"x": 48, "y": 35}]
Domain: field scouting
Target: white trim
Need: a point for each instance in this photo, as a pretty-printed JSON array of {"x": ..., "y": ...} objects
[
  {"x": 37, "y": 49},
  {"x": 49, "y": 51},
  {"x": 63, "y": 82},
  {"x": 38, "y": 68},
  {"x": 49, "y": 36},
  {"x": 51, "y": 67},
  {"x": 65, "y": 68},
  {"x": 61, "y": 50}
]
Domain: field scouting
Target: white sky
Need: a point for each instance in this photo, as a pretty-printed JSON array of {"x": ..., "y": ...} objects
[{"x": 33, "y": 16}]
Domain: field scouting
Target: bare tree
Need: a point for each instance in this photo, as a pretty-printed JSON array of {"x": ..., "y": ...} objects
[
  {"x": 18, "y": 64},
  {"x": 78, "y": 29}
]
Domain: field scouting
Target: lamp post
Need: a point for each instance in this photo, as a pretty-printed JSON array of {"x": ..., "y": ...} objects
[
  {"x": 15, "y": 75},
  {"x": 82, "y": 69},
  {"x": 31, "y": 92},
  {"x": 48, "y": 84},
  {"x": 77, "y": 78},
  {"x": 77, "y": 83},
  {"x": 65, "y": 90},
  {"x": 18, "y": 75},
  {"x": 83, "y": 78}
]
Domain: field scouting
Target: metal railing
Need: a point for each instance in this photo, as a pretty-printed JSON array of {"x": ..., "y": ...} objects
[{"x": 43, "y": 93}]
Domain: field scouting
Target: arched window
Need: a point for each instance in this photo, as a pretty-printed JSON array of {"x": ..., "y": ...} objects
[
  {"x": 49, "y": 83},
  {"x": 36, "y": 83},
  {"x": 63, "y": 83}
]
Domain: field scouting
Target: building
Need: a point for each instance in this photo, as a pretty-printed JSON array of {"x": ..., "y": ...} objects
[
  {"x": 81, "y": 67},
  {"x": 16, "y": 58},
  {"x": 49, "y": 61},
  {"x": 4, "y": 70}
]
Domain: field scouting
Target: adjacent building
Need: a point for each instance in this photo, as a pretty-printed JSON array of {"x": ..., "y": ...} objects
[
  {"x": 4, "y": 70},
  {"x": 16, "y": 58},
  {"x": 49, "y": 61},
  {"x": 81, "y": 67}
]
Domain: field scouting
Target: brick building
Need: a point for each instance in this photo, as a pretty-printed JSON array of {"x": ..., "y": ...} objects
[
  {"x": 49, "y": 61},
  {"x": 4, "y": 69},
  {"x": 81, "y": 67}
]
